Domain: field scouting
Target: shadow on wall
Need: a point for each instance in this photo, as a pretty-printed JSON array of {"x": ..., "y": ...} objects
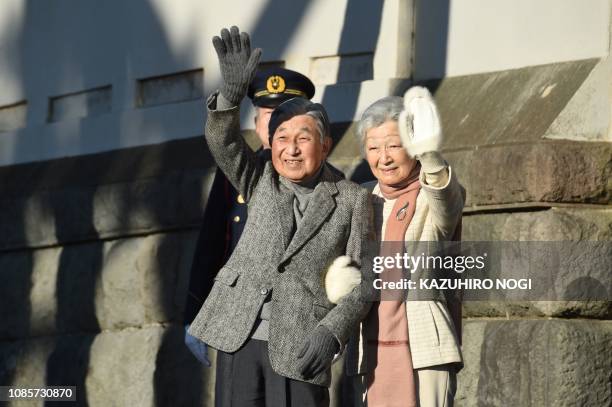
[
  {"x": 429, "y": 52},
  {"x": 356, "y": 17},
  {"x": 88, "y": 344},
  {"x": 430, "y": 42},
  {"x": 75, "y": 194},
  {"x": 16, "y": 267},
  {"x": 354, "y": 39},
  {"x": 72, "y": 196}
]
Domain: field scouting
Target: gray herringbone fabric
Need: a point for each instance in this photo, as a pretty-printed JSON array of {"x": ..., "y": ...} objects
[{"x": 270, "y": 256}]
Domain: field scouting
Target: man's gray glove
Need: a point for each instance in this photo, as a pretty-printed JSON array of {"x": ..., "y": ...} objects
[
  {"x": 197, "y": 347},
  {"x": 317, "y": 353},
  {"x": 238, "y": 64}
]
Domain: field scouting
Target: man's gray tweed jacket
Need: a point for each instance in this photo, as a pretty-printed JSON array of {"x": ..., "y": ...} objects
[{"x": 271, "y": 258}]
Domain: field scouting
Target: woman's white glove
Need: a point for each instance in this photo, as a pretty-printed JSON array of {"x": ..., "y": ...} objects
[
  {"x": 341, "y": 278},
  {"x": 197, "y": 347},
  {"x": 419, "y": 122}
]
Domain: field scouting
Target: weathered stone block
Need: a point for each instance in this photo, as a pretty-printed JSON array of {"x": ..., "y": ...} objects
[
  {"x": 194, "y": 189},
  {"x": 587, "y": 115},
  {"x": 43, "y": 291},
  {"x": 95, "y": 286},
  {"x": 536, "y": 363},
  {"x": 137, "y": 282},
  {"x": 545, "y": 171},
  {"x": 109, "y": 195},
  {"x": 536, "y": 309},
  {"x": 15, "y": 272},
  {"x": 52, "y": 361},
  {"x": 569, "y": 172},
  {"x": 142, "y": 205},
  {"x": 507, "y": 106},
  {"x": 24, "y": 364},
  {"x": 179, "y": 379},
  {"x": 78, "y": 269},
  {"x": 21, "y": 220},
  {"x": 552, "y": 225},
  {"x": 188, "y": 246},
  {"x": 50, "y": 290},
  {"x": 161, "y": 371},
  {"x": 114, "y": 167},
  {"x": 142, "y": 367},
  {"x": 107, "y": 211}
]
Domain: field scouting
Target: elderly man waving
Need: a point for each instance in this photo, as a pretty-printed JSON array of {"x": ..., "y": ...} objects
[{"x": 268, "y": 313}]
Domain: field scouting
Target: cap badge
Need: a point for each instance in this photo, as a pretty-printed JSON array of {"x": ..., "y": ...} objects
[{"x": 275, "y": 84}]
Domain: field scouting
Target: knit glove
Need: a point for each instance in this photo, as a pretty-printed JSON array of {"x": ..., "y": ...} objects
[
  {"x": 419, "y": 122},
  {"x": 317, "y": 353},
  {"x": 197, "y": 347},
  {"x": 238, "y": 65}
]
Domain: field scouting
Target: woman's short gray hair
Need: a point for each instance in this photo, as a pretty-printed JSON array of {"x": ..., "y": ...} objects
[{"x": 378, "y": 113}]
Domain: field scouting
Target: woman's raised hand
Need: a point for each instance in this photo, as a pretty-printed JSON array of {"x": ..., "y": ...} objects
[{"x": 419, "y": 122}]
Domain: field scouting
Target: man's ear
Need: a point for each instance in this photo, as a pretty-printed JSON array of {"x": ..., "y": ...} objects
[{"x": 327, "y": 145}]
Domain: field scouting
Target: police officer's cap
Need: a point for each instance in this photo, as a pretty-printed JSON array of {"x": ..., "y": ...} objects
[{"x": 273, "y": 86}]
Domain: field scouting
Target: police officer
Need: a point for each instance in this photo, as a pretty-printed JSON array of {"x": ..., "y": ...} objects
[{"x": 226, "y": 211}]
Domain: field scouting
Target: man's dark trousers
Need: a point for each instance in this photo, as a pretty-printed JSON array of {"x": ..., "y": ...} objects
[{"x": 245, "y": 379}]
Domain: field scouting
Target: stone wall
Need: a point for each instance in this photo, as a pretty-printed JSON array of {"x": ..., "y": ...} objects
[
  {"x": 518, "y": 140},
  {"x": 95, "y": 257},
  {"x": 95, "y": 251}
]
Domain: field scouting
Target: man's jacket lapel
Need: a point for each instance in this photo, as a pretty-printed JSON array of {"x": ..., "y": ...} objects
[
  {"x": 321, "y": 205},
  {"x": 283, "y": 213}
]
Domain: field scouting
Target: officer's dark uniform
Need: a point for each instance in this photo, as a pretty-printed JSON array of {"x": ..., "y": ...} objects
[{"x": 226, "y": 211}]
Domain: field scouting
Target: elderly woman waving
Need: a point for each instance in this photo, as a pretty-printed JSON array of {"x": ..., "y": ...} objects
[{"x": 410, "y": 350}]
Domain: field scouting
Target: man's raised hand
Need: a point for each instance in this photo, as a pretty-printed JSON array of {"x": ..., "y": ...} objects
[{"x": 237, "y": 63}]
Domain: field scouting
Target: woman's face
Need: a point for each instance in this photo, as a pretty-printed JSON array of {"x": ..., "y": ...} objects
[{"x": 388, "y": 160}]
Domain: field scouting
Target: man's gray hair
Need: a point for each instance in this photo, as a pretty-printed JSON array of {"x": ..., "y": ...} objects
[
  {"x": 377, "y": 114},
  {"x": 320, "y": 120},
  {"x": 300, "y": 106}
]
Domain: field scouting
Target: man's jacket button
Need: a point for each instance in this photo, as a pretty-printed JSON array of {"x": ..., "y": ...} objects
[{"x": 263, "y": 291}]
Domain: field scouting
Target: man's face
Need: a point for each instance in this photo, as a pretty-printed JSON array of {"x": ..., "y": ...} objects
[
  {"x": 297, "y": 151},
  {"x": 388, "y": 160},
  {"x": 262, "y": 118}
]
